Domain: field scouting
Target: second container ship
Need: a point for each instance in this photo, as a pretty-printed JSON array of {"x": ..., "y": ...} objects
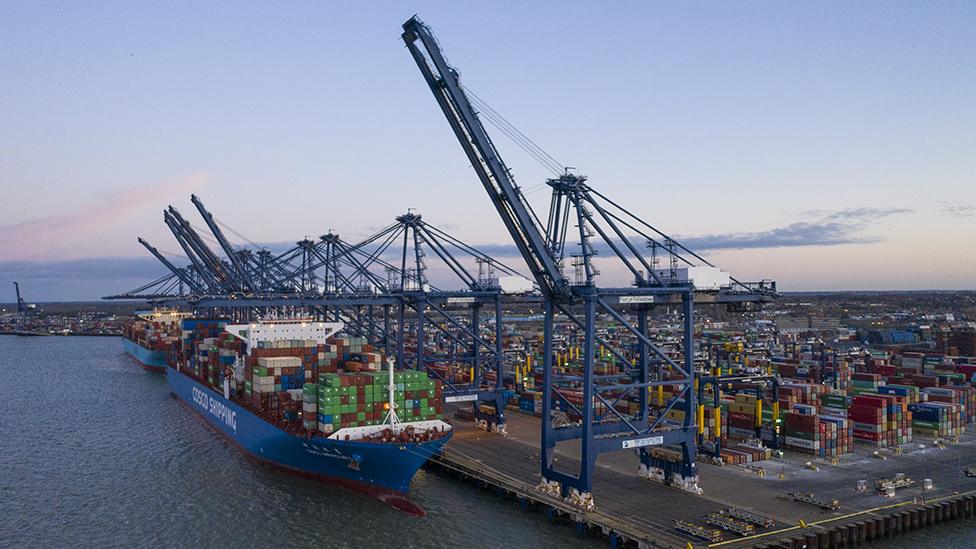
[{"x": 152, "y": 338}]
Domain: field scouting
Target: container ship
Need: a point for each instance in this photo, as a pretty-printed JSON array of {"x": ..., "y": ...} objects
[
  {"x": 291, "y": 393},
  {"x": 152, "y": 338}
]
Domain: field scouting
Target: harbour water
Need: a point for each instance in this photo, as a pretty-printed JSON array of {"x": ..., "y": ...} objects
[{"x": 96, "y": 452}]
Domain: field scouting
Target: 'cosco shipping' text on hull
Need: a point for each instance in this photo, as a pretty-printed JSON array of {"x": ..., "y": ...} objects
[
  {"x": 362, "y": 465},
  {"x": 154, "y": 361}
]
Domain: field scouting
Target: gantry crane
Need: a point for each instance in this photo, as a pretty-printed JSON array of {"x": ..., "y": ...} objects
[
  {"x": 243, "y": 278},
  {"x": 22, "y": 306},
  {"x": 602, "y": 427},
  {"x": 436, "y": 311},
  {"x": 183, "y": 275},
  {"x": 336, "y": 280}
]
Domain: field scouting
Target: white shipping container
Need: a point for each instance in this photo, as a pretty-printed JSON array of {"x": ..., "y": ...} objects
[
  {"x": 515, "y": 284},
  {"x": 802, "y": 443},
  {"x": 703, "y": 278}
]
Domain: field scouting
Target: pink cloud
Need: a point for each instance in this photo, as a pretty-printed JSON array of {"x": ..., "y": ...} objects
[{"x": 66, "y": 235}]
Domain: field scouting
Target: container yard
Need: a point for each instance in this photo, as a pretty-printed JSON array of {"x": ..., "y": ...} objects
[
  {"x": 540, "y": 275},
  {"x": 839, "y": 487},
  {"x": 670, "y": 409}
]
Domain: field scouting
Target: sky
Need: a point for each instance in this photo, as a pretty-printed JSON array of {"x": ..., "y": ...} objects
[{"x": 828, "y": 146}]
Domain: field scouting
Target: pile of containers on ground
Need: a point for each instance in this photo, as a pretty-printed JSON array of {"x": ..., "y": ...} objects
[{"x": 892, "y": 397}]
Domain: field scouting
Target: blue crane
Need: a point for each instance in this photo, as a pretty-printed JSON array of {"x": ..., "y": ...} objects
[
  {"x": 179, "y": 273},
  {"x": 236, "y": 259},
  {"x": 334, "y": 279},
  {"x": 222, "y": 279},
  {"x": 666, "y": 448},
  {"x": 196, "y": 262},
  {"x": 452, "y": 316},
  {"x": 21, "y": 305}
]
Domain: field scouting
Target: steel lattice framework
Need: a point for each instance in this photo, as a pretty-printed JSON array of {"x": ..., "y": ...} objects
[
  {"x": 381, "y": 289},
  {"x": 600, "y": 224},
  {"x": 378, "y": 287}
]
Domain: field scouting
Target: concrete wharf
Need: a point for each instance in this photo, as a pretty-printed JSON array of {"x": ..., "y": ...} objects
[{"x": 631, "y": 511}]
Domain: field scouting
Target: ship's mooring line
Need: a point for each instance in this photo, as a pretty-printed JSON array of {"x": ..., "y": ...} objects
[
  {"x": 469, "y": 472},
  {"x": 472, "y": 459}
]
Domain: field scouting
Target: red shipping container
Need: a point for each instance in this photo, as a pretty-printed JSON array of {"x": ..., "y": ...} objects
[
  {"x": 865, "y": 414},
  {"x": 874, "y": 401}
]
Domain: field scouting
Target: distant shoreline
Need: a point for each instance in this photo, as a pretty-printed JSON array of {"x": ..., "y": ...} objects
[
  {"x": 36, "y": 334},
  {"x": 134, "y": 303}
]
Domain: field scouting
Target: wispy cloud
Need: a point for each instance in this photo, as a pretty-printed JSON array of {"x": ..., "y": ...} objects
[
  {"x": 46, "y": 237},
  {"x": 828, "y": 228},
  {"x": 90, "y": 278},
  {"x": 795, "y": 234},
  {"x": 857, "y": 215},
  {"x": 958, "y": 210}
]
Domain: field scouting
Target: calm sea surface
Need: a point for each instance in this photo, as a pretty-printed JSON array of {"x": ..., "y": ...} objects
[{"x": 94, "y": 451}]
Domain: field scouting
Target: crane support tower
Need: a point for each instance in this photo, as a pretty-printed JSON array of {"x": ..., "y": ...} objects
[{"x": 602, "y": 225}]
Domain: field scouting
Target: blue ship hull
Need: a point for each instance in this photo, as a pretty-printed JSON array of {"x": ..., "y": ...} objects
[
  {"x": 388, "y": 467},
  {"x": 154, "y": 361}
]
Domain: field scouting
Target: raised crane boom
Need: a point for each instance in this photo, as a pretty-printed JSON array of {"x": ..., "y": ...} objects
[
  {"x": 224, "y": 243},
  {"x": 491, "y": 170},
  {"x": 202, "y": 271},
  {"x": 180, "y": 273},
  {"x": 210, "y": 259},
  {"x": 21, "y": 306}
]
